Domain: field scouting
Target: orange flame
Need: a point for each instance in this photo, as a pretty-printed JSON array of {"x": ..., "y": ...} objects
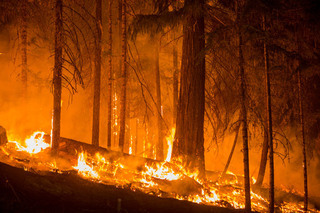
[
  {"x": 170, "y": 139},
  {"x": 34, "y": 144},
  {"x": 83, "y": 168}
]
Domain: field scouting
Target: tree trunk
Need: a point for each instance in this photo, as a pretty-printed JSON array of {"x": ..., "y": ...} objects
[
  {"x": 137, "y": 138},
  {"x": 3, "y": 136},
  {"x": 110, "y": 77},
  {"x": 243, "y": 114},
  {"x": 123, "y": 96},
  {"x": 175, "y": 80},
  {"x": 189, "y": 141},
  {"x": 231, "y": 152},
  {"x": 97, "y": 76},
  {"x": 159, "y": 146},
  {"x": 264, "y": 158},
  {"x": 304, "y": 163},
  {"x": 57, "y": 73},
  {"x": 270, "y": 136},
  {"x": 24, "y": 48}
]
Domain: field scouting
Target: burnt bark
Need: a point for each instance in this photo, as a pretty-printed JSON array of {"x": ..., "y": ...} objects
[
  {"x": 189, "y": 141},
  {"x": 3, "y": 136},
  {"x": 57, "y": 74},
  {"x": 159, "y": 146},
  {"x": 24, "y": 48},
  {"x": 175, "y": 79},
  {"x": 97, "y": 76},
  {"x": 123, "y": 95},
  {"x": 269, "y": 120},
  {"x": 304, "y": 161},
  {"x": 137, "y": 138},
  {"x": 110, "y": 77},
  {"x": 243, "y": 114}
]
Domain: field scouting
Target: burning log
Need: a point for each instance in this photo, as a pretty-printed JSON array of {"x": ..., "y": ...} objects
[
  {"x": 183, "y": 186},
  {"x": 3, "y": 136}
]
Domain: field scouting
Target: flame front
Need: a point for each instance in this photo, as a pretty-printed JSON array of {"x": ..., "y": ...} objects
[{"x": 163, "y": 179}]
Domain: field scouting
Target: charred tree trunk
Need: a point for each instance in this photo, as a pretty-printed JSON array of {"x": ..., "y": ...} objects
[
  {"x": 304, "y": 162},
  {"x": 270, "y": 136},
  {"x": 159, "y": 146},
  {"x": 123, "y": 96},
  {"x": 189, "y": 141},
  {"x": 137, "y": 138},
  {"x": 127, "y": 137},
  {"x": 3, "y": 136},
  {"x": 231, "y": 152},
  {"x": 264, "y": 158},
  {"x": 24, "y": 48},
  {"x": 175, "y": 79},
  {"x": 110, "y": 77},
  {"x": 97, "y": 76},
  {"x": 243, "y": 114},
  {"x": 57, "y": 74}
]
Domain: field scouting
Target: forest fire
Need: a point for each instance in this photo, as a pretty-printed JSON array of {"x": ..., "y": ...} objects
[
  {"x": 205, "y": 105},
  {"x": 166, "y": 179}
]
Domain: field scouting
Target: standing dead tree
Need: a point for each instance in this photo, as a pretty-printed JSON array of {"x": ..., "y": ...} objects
[
  {"x": 123, "y": 96},
  {"x": 243, "y": 109},
  {"x": 110, "y": 73},
  {"x": 24, "y": 47},
  {"x": 97, "y": 76},
  {"x": 57, "y": 75}
]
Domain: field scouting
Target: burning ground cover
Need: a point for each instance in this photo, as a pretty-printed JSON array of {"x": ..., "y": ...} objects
[{"x": 168, "y": 179}]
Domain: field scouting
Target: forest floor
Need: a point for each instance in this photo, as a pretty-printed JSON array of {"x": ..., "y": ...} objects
[{"x": 24, "y": 191}]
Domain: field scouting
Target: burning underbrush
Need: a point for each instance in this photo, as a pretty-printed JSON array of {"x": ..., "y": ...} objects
[{"x": 166, "y": 179}]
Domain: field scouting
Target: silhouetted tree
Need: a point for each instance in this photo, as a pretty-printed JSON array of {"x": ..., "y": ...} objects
[
  {"x": 159, "y": 145},
  {"x": 189, "y": 141},
  {"x": 243, "y": 103},
  {"x": 57, "y": 75},
  {"x": 110, "y": 76},
  {"x": 97, "y": 76},
  {"x": 123, "y": 95}
]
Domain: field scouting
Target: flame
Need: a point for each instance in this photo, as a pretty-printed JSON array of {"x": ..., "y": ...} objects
[
  {"x": 170, "y": 139},
  {"x": 164, "y": 179},
  {"x": 83, "y": 168},
  {"x": 34, "y": 144},
  {"x": 130, "y": 146},
  {"x": 254, "y": 180},
  {"x": 162, "y": 171}
]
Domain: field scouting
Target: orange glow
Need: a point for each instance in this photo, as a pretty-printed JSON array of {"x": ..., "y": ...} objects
[
  {"x": 83, "y": 168},
  {"x": 168, "y": 178},
  {"x": 34, "y": 144},
  {"x": 170, "y": 139}
]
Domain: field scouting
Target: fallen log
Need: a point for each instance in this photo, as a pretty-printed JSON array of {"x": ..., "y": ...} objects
[
  {"x": 183, "y": 186},
  {"x": 23, "y": 191}
]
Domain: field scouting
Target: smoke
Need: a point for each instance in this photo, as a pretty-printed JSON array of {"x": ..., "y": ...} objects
[
  {"x": 288, "y": 171},
  {"x": 24, "y": 112}
]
